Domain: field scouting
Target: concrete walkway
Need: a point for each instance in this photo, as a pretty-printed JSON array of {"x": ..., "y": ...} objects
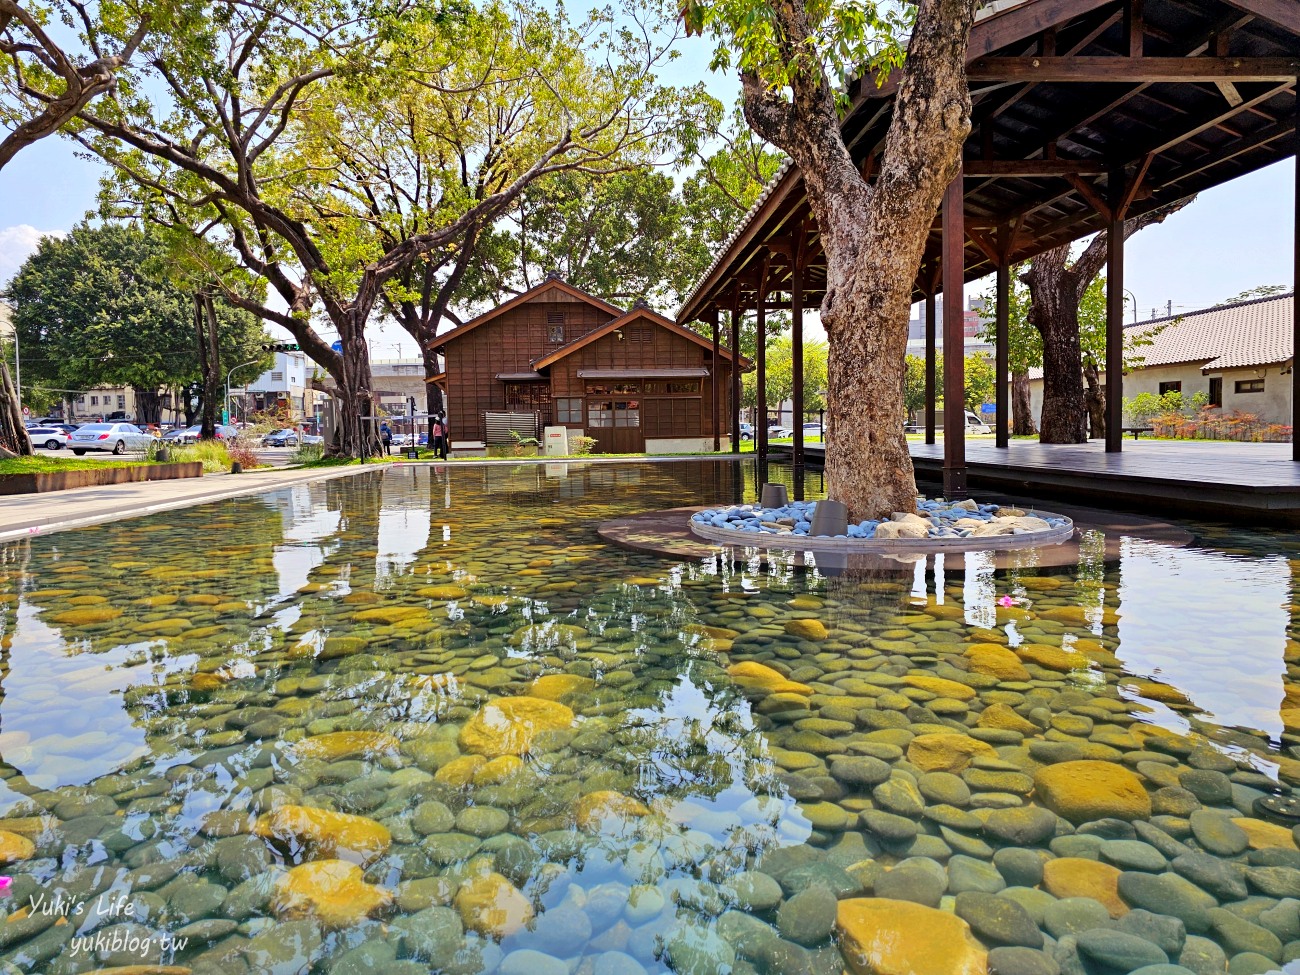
[{"x": 23, "y": 515}]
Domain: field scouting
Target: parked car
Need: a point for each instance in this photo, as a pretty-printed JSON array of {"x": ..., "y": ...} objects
[
  {"x": 118, "y": 416},
  {"x": 174, "y": 435},
  {"x": 113, "y": 437},
  {"x": 308, "y": 438},
  {"x": 191, "y": 434},
  {"x": 812, "y": 431},
  {"x": 51, "y": 438},
  {"x": 779, "y": 433},
  {"x": 746, "y": 431},
  {"x": 975, "y": 425},
  {"x": 281, "y": 438}
]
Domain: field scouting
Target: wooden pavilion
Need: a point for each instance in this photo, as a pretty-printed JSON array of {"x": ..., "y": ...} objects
[{"x": 1086, "y": 113}]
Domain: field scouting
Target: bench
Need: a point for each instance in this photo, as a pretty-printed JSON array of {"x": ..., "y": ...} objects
[
  {"x": 1137, "y": 430},
  {"x": 468, "y": 448}
]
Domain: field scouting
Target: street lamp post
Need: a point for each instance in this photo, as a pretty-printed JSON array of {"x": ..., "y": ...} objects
[
  {"x": 1135, "y": 304},
  {"x": 231, "y": 372}
]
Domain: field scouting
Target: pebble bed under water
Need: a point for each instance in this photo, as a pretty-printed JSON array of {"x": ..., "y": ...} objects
[
  {"x": 427, "y": 721},
  {"x": 933, "y": 518}
]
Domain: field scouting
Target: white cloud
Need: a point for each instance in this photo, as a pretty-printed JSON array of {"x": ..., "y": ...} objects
[{"x": 17, "y": 244}]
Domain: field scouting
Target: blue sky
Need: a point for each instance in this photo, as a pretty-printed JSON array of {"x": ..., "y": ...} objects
[{"x": 1236, "y": 237}]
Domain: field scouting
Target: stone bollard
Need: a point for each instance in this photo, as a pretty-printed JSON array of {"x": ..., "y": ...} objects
[
  {"x": 773, "y": 496},
  {"x": 829, "y": 518},
  {"x": 161, "y": 456},
  {"x": 236, "y": 468}
]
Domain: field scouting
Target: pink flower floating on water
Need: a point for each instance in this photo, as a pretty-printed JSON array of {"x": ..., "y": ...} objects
[{"x": 1008, "y": 601}]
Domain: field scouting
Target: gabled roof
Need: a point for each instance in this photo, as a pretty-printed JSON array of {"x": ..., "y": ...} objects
[
  {"x": 638, "y": 312},
  {"x": 552, "y": 283},
  {"x": 1240, "y": 335}
]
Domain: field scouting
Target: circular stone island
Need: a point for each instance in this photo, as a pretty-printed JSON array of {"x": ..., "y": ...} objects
[{"x": 935, "y": 526}]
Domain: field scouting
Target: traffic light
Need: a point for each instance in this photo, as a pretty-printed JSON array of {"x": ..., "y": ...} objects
[{"x": 281, "y": 347}]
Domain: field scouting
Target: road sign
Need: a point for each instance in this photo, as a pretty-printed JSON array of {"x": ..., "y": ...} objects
[
  {"x": 225, "y": 417},
  {"x": 336, "y": 346},
  {"x": 27, "y": 411}
]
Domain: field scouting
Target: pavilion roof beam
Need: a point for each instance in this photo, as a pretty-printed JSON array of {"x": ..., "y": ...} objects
[
  {"x": 1144, "y": 70},
  {"x": 1105, "y": 24},
  {"x": 1278, "y": 130},
  {"x": 1283, "y": 13},
  {"x": 1197, "y": 46}
]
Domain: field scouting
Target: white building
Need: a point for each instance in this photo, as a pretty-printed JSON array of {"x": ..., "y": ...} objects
[
  {"x": 284, "y": 385},
  {"x": 1239, "y": 355}
]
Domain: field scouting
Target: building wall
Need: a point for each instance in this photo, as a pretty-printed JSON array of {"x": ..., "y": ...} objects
[
  {"x": 1273, "y": 405},
  {"x": 508, "y": 343},
  {"x": 662, "y": 415}
]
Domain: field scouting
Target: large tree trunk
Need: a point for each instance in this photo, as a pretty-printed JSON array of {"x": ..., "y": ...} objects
[
  {"x": 356, "y": 435},
  {"x": 148, "y": 406},
  {"x": 432, "y": 393},
  {"x": 1094, "y": 394},
  {"x": 1054, "y": 290},
  {"x": 873, "y": 236},
  {"x": 1057, "y": 287},
  {"x": 13, "y": 436},
  {"x": 1022, "y": 411},
  {"x": 205, "y": 327}
]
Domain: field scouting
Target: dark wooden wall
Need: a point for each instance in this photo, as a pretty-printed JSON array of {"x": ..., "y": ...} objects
[
  {"x": 646, "y": 345},
  {"x": 508, "y": 343}
]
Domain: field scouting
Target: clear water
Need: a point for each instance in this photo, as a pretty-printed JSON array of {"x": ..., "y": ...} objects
[{"x": 180, "y": 692}]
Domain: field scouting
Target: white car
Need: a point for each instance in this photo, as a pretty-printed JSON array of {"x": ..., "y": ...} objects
[
  {"x": 116, "y": 438},
  {"x": 51, "y": 438},
  {"x": 975, "y": 425}
]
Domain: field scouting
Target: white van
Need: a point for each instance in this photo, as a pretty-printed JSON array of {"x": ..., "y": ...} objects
[{"x": 975, "y": 425}]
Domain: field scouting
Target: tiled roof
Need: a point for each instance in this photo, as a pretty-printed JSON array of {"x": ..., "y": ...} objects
[{"x": 1244, "y": 334}]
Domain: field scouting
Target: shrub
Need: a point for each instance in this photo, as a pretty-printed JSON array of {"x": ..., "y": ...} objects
[
  {"x": 308, "y": 453},
  {"x": 581, "y": 445},
  {"x": 212, "y": 454},
  {"x": 241, "y": 452}
]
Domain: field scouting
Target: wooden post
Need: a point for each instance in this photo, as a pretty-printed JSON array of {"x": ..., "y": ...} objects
[
  {"x": 954, "y": 341},
  {"x": 735, "y": 373},
  {"x": 760, "y": 376},
  {"x": 796, "y": 354},
  {"x": 1115, "y": 326},
  {"x": 1295, "y": 311},
  {"x": 930, "y": 357},
  {"x": 1003, "y": 351},
  {"x": 715, "y": 382}
]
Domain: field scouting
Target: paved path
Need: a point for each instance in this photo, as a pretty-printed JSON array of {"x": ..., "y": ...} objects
[{"x": 35, "y": 514}]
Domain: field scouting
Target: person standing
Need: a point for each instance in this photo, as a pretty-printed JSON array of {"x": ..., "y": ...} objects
[
  {"x": 386, "y": 438},
  {"x": 438, "y": 437}
]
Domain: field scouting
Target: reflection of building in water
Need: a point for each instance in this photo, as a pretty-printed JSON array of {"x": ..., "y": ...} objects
[{"x": 1175, "y": 604}]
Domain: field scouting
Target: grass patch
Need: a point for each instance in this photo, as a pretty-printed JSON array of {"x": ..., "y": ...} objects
[{"x": 52, "y": 465}]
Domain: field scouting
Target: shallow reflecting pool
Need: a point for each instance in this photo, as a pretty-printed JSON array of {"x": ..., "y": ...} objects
[{"x": 427, "y": 721}]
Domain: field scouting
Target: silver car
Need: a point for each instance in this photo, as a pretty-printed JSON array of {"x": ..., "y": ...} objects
[{"x": 113, "y": 437}]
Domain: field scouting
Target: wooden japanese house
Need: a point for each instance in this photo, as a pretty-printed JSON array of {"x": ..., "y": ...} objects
[{"x": 632, "y": 380}]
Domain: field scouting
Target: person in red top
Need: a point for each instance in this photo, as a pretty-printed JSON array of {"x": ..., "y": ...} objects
[{"x": 438, "y": 437}]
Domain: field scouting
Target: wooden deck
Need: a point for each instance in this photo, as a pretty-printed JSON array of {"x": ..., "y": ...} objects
[{"x": 1207, "y": 478}]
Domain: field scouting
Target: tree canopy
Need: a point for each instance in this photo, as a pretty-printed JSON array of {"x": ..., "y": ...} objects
[
  {"x": 104, "y": 307},
  {"x": 780, "y": 374},
  {"x": 351, "y": 154}
]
